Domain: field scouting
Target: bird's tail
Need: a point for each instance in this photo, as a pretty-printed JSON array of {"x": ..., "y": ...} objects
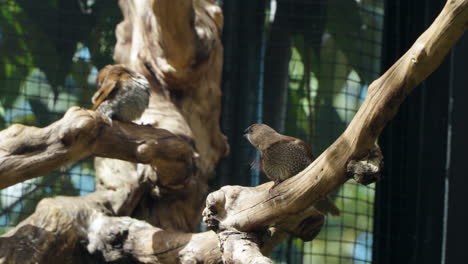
[{"x": 326, "y": 206}]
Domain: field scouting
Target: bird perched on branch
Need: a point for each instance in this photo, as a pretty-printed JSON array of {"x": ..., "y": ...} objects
[
  {"x": 122, "y": 94},
  {"x": 282, "y": 157}
]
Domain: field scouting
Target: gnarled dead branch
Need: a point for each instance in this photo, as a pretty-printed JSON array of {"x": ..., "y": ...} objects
[{"x": 27, "y": 152}]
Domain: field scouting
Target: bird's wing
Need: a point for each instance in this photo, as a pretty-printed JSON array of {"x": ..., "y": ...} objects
[
  {"x": 287, "y": 144},
  {"x": 106, "y": 88},
  {"x": 302, "y": 146},
  {"x": 326, "y": 205},
  {"x": 285, "y": 158}
]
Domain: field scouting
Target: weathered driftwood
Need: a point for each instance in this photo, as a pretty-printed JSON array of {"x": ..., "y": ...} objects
[
  {"x": 240, "y": 248},
  {"x": 27, "y": 152},
  {"x": 178, "y": 49},
  {"x": 247, "y": 209},
  {"x": 63, "y": 228},
  {"x": 177, "y": 46}
]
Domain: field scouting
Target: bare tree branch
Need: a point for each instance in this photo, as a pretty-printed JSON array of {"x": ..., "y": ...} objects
[
  {"x": 59, "y": 224},
  {"x": 241, "y": 247},
  {"x": 28, "y": 152}
]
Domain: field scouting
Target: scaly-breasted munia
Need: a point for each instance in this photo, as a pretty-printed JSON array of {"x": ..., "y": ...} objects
[
  {"x": 282, "y": 157},
  {"x": 122, "y": 94}
]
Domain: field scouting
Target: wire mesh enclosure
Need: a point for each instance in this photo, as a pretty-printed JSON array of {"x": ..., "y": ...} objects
[
  {"x": 49, "y": 55},
  {"x": 301, "y": 66}
]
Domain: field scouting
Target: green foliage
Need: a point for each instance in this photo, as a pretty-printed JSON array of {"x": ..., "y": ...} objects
[
  {"x": 101, "y": 40},
  {"x": 46, "y": 36},
  {"x": 324, "y": 58},
  {"x": 15, "y": 60}
]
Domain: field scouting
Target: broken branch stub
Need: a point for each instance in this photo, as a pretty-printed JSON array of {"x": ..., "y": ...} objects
[{"x": 368, "y": 169}]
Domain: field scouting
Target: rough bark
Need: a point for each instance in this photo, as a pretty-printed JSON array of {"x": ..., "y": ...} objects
[
  {"x": 177, "y": 46},
  {"x": 368, "y": 169},
  {"x": 62, "y": 227},
  {"x": 184, "y": 113},
  {"x": 247, "y": 209},
  {"x": 27, "y": 152},
  {"x": 241, "y": 247}
]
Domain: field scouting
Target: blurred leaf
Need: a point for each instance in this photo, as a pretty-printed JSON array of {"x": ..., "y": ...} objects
[
  {"x": 345, "y": 25},
  {"x": 314, "y": 51},
  {"x": 15, "y": 58},
  {"x": 2, "y": 122},
  {"x": 334, "y": 69},
  {"x": 296, "y": 69},
  {"x": 372, "y": 28},
  {"x": 39, "y": 42},
  {"x": 41, "y": 111},
  {"x": 297, "y": 118},
  {"x": 101, "y": 40},
  {"x": 29, "y": 120},
  {"x": 80, "y": 71},
  {"x": 55, "y": 36}
]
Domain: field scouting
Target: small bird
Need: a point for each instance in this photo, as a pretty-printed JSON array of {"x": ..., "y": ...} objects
[
  {"x": 282, "y": 157},
  {"x": 122, "y": 94}
]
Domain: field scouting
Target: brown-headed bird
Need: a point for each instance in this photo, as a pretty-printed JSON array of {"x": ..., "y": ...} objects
[
  {"x": 282, "y": 157},
  {"x": 122, "y": 94}
]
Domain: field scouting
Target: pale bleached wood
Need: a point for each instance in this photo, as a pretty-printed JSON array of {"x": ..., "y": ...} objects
[
  {"x": 186, "y": 76},
  {"x": 186, "y": 99},
  {"x": 241, "y": 248},
  {"x": 60, "y": 225},
  {"x": 232, "y": 211},
  {"x": 27, "y": 152}
]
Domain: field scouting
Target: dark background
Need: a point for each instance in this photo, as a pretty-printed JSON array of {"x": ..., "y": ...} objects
[{"x": 420, "y": 209}]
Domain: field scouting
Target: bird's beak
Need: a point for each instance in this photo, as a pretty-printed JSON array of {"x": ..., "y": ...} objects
[{"x": 246, "y": 132}]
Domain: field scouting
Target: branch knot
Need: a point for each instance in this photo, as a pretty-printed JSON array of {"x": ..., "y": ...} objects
[{"x": 368, "y": 169}]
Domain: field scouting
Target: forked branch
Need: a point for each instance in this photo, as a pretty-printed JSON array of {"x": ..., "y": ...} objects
[{"x": 28, "y": 152}]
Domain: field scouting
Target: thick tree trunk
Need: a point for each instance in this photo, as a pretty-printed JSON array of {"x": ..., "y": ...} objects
[
  {"x": 177, "y": 46},
  {"x": 145, "y": 212}
]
